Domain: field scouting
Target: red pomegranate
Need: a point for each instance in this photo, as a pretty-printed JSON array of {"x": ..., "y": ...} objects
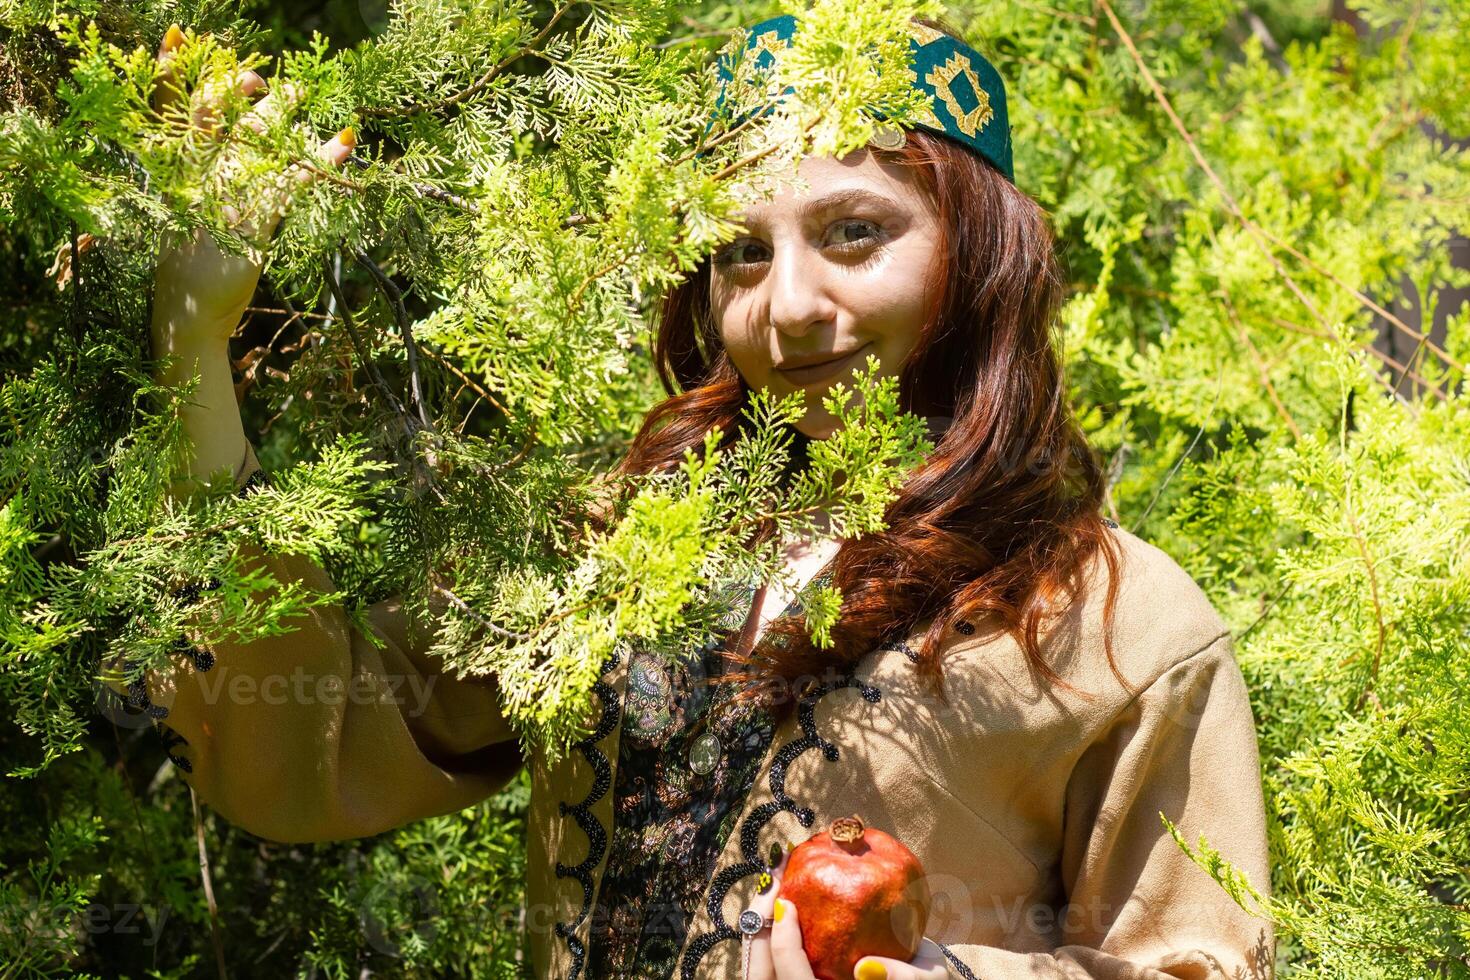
[{"x": 858, "y": 892}]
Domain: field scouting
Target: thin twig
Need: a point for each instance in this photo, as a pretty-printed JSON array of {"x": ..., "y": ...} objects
[
  {"x": 468, "y": 381},
  {"x": 1423, "y": 338},
  {"x": 1261, "y": 366},
  {"x": 292, "y": 313},
  {"x": 423, "y": 189},
  {"x": 1159, "y": 492},
  {"x": 1264, "y": 613},
  {"x": 465, "y": 608},
  {"x": 1374, "y": 351},
  {"x": 405, "y": 327},
  {"x": 362, "y": 353},
  {"x": 448, "y": 197},
  {"x": 208, "y": 880}
]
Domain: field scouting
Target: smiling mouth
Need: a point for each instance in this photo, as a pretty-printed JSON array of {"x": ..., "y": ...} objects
[{"x": 815, "y": 373}]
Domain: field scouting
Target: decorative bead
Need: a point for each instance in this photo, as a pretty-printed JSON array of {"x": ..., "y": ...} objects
[
  {"x": 751, "y": 922},
  {"x": 704, "y": 754}
]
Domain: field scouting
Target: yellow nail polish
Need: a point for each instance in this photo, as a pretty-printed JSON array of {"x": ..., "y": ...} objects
[
  {"x": 173, "y": 38},
  {"x": 347, "y": 137},
  {"x": 871, "y": 970},
  {"x": 780, "y": 908}
]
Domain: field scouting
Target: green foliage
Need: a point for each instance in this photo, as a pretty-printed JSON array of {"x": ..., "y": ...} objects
[{"x": 1230, "y": 340}]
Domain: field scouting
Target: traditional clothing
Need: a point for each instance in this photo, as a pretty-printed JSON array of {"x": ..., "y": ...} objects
[{"x": 1034, "y": 810}]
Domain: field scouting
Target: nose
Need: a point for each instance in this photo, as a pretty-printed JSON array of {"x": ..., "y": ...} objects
[{"x": 798, "y": 296}]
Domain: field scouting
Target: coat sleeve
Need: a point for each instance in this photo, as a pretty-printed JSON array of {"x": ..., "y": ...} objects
[
  {"x": 1138, "y": 907},
  {"x": 321, "y": 734}
]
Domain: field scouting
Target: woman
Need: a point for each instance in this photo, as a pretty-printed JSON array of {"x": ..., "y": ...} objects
[{"x": 1027, "y": 768}]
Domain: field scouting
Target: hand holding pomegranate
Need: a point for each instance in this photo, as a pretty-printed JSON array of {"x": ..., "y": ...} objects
[{"x": 863, "y": 898}]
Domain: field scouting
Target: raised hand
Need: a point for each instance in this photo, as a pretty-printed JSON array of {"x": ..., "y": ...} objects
[{"x": 201, "y": 292}]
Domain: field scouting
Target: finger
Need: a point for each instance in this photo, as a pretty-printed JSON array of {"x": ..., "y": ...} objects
[
  {"x": 166, "y": 90},
  {"x": 210, "y": 99},
  {"x": 336, "y": 150},
  {"x": 787, "y": 955},
  {"x": 265, "y": 203},
  {"x": 761, "y": 967},
  {"x": 259, "y": 221},
  {"x": 927, "y": 964},
  {"x": 277, "y": 104}
]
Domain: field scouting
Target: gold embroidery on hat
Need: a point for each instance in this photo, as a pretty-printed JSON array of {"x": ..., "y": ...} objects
[
  {"x": 924, "y": 34},
  {"x": 925, "y": 115},
  {"x": 941, "y": 76},
  {"x": 764, "y": 43}
]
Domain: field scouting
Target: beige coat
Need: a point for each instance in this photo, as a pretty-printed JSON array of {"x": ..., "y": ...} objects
[{"x": 1035, "y": 811}]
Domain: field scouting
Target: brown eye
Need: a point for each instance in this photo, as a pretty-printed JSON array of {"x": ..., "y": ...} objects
[
  {"x": 736, "y": 254},
  {"x": 861, "y": 233}
]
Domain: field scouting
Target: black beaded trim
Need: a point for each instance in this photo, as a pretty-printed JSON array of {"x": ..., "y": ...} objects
[
  {"x": 138, "y": 693},
  {"x": 756, "y": 820},
  {"x": 1109, "y": 522},
  {"x": 954, "y": 961},
  {"x": 252, "y": 482},
  {"x": 899, "y": 646},
  {"x": 964, "y": 628},
  {"x": 171, "y": 740},
  {"x": 582, "y": 814}
]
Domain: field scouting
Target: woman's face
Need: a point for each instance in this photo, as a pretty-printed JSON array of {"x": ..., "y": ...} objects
[{"x": 821, "y": 280}]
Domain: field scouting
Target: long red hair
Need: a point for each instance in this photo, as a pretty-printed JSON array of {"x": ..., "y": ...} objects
[{"x": 1003, "y": 517}]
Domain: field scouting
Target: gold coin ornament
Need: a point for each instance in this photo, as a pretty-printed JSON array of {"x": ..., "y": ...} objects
[{"x": 886, "y": 137}]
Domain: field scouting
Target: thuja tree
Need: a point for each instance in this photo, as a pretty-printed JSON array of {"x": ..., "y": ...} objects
[{"x": 449, "y": 349}]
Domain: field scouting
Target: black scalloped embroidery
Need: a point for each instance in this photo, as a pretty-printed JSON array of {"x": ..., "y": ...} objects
[
  {"x": 756, "y": 820},
  {"x": 171, "y": 740},
  {"x": 138, "y": 693},
  {"x": 252, "y": 482},
  {"x": 203, "y": 659},
  {"x": 582, "y": 814},
  {"x": 954, "y": 961},
  {"x": 899, "y": 646}
]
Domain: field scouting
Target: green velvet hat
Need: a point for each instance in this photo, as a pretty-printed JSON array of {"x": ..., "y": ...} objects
[{"x": 967, "y": 99}]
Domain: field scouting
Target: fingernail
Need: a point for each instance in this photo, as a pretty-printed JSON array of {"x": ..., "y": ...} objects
[
  {"x": 347, "y": 138},
  {"x": 780, "y": 908},
  {"x": 173, "y": 38},
  {"x": 871, "y": 970}
]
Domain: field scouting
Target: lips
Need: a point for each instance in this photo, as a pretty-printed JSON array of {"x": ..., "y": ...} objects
[{"x": 820, "y": 371}]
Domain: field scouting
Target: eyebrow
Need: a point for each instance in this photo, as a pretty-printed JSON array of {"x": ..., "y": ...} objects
[{"x": 839, "y": 198}]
